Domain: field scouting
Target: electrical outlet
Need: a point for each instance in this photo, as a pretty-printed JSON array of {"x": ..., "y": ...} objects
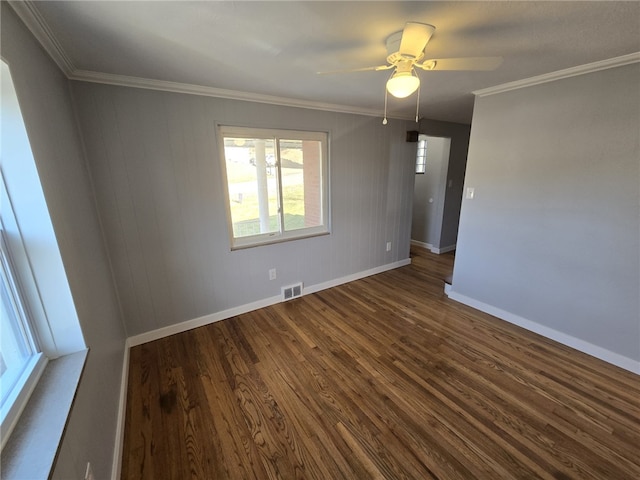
[
  {"x": 272, "y": 274},
  {"x": 88, "y": 475},
  {"x": 388, "y": 246}
]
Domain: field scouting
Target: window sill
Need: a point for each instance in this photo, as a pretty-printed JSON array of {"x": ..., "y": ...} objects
[
  {"x": 242, "y": 243},
  {"x": 20, "y": 393},
  {"x": 32, "y": 448}
]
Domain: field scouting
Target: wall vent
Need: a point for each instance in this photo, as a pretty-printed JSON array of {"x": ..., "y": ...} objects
[{"x": 292, "y": 291}]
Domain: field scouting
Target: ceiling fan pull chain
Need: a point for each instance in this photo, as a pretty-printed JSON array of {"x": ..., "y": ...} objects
[
  {"x": 418, "y": 104},
  {"x": 384, "y": 120}
]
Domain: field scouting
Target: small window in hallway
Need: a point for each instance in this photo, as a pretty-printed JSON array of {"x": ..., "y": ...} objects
[{"x": 421, "y": 156}]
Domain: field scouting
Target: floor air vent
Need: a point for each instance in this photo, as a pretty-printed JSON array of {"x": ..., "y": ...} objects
[{"x": 292, "y": 291}]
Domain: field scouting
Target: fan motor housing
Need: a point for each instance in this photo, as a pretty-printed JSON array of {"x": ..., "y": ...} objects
[{"x": 393, "y": 49}]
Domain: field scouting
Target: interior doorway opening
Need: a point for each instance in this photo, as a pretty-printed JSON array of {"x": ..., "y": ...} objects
[{"x": 431, "y": 225}]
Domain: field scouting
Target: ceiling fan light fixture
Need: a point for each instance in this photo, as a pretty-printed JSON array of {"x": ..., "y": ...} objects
[{"x": 402, "y": 84}]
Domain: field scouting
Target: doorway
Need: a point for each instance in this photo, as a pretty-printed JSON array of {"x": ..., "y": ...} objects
[{"x": 429, "y": 228}]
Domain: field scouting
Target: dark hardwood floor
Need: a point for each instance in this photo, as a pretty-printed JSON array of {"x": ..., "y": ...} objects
[{"x": 380, "y": 378}]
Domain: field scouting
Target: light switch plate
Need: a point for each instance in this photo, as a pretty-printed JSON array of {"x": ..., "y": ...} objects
[{"x": 471, "y": 192}]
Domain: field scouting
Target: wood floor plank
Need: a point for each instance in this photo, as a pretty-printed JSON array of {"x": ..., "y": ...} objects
[
  {"x": 384, "y": 377},
  {"x": 238, "y": 457}
]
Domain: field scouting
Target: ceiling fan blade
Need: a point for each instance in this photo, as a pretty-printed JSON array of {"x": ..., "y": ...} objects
[
  {"x": 414, "y": 38},
  {"x": 365, "y": 69},
  {"x": 465, "y": 63}
]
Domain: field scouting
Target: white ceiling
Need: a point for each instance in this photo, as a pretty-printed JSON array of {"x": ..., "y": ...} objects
[{"x": 275, "y": 48}]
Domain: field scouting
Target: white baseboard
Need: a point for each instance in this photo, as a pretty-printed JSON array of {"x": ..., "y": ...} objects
[
  {"x": 433, "y": 249},
  {"x": 568, "y": 340},
  {"x": 200, "y": 321},
  {"x": 265, "y": 302},
  {"x": 356, "y": 276},
  {"x": 448, "y": 248},
  {"x": 116, "y": 467},
  {"x": 417, "y": 243}
]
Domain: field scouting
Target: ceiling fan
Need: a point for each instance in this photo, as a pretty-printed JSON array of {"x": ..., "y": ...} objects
[{"x": 405, "y": 53}]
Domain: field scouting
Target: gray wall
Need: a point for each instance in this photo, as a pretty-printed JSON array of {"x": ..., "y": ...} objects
[
  {"x": 46, "y": 107},
  {"x": 459, "y": 135},
  {"x": 155, "y": 160},
  {"x": 429, "y": 193},
  {"x": 552, "y": 234}
]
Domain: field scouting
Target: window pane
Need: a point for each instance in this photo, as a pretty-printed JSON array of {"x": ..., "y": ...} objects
[
  {"x": 301, "y": 166},
  {"x": 15, "y": 348},
  {"x": 421, "y": 157},
  {"x": 253, "y": 185}
]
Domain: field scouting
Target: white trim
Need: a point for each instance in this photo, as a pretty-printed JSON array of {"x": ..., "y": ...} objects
[
  {"x": 265, "y": 302},
  {"x": 21, "y": 392},
  {"x": 433, "y": 249},
  {"x": 200, "y": 321},
  {"x": 355, "y": 276},
  {"x": 30, "y": 16},
  {"x": 594, "y": 350},
  {"x": 28, "y": 13},
  {"x": 32, "y": 448},
  {"x": 560, "y": 74},
  {"x": 175, "y": 87},
  {"x": 116, "y": 466},
  {"x": 448, "y": 248},
  {"x": 417, "y": 243}
]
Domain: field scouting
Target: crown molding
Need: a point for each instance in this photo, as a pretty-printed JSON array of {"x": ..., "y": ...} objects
[
  {"x": 560, "y": 74},
  {"x": 29, "y": 14},
  {"x": 162, "y": 85}
]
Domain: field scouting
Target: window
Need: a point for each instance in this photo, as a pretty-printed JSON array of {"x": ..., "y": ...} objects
[
  {"x": 21, "y": 361},
  {"x": 38, "y": 321},
  {"x": 421, "y": 156},
  {"x": 21, "y": 358},
  {"x": 276, "y": 184}
]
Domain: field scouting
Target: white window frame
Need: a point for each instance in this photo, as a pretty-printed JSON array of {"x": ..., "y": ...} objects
[
  {"x": 22, "y": 388},
  {"x": 40, "y": 296},
  {"x": 276, "y": 135},
  {"x": 421, "y": 155}
]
